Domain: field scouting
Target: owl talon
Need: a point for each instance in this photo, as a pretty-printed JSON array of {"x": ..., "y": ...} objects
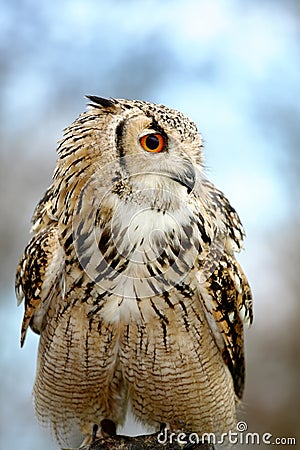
[
  {"x": 108, "y": 428},
  {"x": 162, "y": 427},
  {"x": 90, "y": 438},
  {"x": 94, "y": 434}
]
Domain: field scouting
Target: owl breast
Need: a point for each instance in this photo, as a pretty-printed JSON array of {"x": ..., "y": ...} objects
[{"x": 145, "y": 251}]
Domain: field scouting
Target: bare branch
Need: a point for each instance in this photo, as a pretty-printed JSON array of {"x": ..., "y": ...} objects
[{"x": 164, "y": 440}]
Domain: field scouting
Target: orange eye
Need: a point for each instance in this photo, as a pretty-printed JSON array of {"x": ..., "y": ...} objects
[{"x": 153, "y": 143}]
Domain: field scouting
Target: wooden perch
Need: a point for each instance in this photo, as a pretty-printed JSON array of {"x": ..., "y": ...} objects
[
  {"x": 143, "y": 442},
  {"x": 164, "y": 440}
]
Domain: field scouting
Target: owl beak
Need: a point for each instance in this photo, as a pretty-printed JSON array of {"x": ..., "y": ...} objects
[{"x": 186, "y": 178}]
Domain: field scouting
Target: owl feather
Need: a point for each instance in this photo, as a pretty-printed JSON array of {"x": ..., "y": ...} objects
[{"x": 131, "y": 279}]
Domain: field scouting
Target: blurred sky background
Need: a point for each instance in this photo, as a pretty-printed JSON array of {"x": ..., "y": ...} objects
[{"x": 233, "y": 66}]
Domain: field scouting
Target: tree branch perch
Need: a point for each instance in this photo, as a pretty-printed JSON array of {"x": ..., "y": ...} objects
[
  {"x": 144, "y": 442},
  {"x": 186, "y": 441}
]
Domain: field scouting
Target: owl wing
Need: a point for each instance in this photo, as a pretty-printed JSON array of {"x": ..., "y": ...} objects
[
  {"x": 227, "y": 302},
  {"x": 39, "y": 275},
  {"x": 44, "y": 215},
  {"x": 224, "y": 291}
]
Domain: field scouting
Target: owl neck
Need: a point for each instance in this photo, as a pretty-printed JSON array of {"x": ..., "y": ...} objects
[{"x": 151, "y": 191}]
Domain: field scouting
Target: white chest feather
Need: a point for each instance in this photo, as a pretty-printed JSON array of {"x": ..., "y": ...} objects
[{"x": 152, "y": 246}]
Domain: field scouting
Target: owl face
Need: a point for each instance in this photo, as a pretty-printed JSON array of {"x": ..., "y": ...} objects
[{"x": 149, "y": 146}]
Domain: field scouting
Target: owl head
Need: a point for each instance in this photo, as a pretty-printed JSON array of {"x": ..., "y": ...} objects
[{"x": 143, "y": 143}]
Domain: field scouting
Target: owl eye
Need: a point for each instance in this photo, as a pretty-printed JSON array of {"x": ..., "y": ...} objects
[{"x": 153, "y": 143}]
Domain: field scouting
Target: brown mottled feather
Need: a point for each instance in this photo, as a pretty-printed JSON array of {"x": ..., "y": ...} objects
[
  {"x": 39, "y": 275},
  {"x": 131, "y": 279}
]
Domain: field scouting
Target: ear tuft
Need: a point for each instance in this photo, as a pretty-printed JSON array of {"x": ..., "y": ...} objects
[{"x": 101, "y": 101}]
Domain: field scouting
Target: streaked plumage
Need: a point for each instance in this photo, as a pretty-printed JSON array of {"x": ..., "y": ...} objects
[{"x": 131, "y": 279}]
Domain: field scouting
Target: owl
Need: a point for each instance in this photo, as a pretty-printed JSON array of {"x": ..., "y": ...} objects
[{"x": 131, "y": 280}]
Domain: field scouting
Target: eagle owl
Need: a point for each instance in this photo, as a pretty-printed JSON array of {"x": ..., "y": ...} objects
[{"x": 131, "y": 279}]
